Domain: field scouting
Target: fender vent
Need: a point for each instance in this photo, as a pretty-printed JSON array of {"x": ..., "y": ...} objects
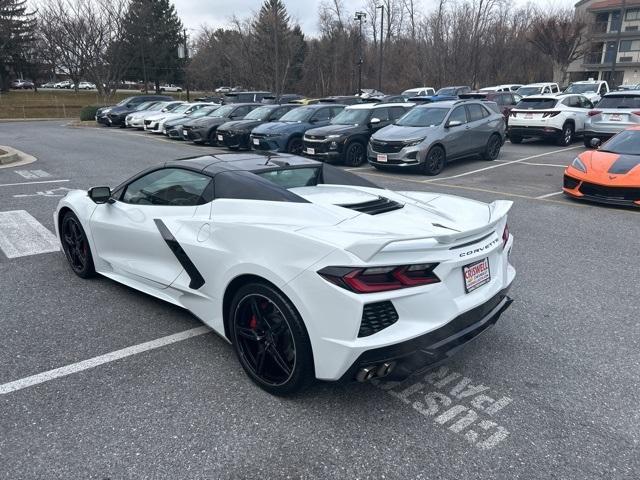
[
  {"x": 374, "y": 207},
  {"x": 376, "y": 317}
]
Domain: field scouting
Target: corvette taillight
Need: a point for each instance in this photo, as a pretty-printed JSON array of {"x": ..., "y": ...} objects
[
  {"x": 549, "y": 114},
  {"x": 381, "y": 279},
  {"x": 505, "y": 236},
  {"x": 593, "y": 113}
]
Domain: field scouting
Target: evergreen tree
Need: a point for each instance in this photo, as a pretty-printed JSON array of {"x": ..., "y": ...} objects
[
  {"x": 152, "y": 34},
  {"x": 16, "y": 36}
]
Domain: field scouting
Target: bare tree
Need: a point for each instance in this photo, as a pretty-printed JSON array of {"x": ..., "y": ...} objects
[{"x": 559, "y": 35}]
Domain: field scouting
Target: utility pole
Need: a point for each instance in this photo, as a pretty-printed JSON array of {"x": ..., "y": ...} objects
[
  {"x": 381, "y": 6},
  {"x": 360, "y": 16},
  {"x": 623, "y": 10},
  {"x": 183, "y": 53}
]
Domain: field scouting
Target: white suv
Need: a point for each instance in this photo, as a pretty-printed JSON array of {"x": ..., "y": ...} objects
[
  {"x": 560, "y": 117},
  {"x": 544, "y": 88}
]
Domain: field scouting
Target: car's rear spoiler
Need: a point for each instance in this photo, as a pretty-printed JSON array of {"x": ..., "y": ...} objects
[{"x": 367, "y": 249}]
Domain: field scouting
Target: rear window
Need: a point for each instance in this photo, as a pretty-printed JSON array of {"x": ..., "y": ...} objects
[
  {"x": 620, "y": 101},
  {"x": 293, "y": 177},
  {"x": 536, "y": 103}
]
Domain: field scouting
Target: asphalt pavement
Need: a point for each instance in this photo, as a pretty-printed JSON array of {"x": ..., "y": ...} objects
[{"x": 551, "y": 392}]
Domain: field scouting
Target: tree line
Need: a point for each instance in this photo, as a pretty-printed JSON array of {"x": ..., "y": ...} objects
[{"x": 459, "y": 42}]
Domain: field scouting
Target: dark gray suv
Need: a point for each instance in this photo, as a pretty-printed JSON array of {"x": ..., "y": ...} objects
[{"x": 429, "y": 136}]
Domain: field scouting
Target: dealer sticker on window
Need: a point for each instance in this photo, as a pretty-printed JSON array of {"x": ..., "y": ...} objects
[{"x": 476, "y": 274}]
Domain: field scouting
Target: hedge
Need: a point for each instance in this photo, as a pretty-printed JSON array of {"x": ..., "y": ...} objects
[{"x": 89, "y": 112}]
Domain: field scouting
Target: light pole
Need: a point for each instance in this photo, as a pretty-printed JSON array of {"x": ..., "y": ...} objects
[
  {"x": 183, "y": 53},
  {"x": 381, "y": 7},
  {"x": 360, "y": 16}
]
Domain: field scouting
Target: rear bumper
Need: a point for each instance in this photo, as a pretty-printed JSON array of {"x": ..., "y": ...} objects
[
  {"x": 433, "y": 348},
  {"x": 600, "y": 135},
  {"x": 522, "y": 131}
]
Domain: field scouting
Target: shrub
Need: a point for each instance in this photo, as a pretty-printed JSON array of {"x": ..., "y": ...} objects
[{"x": 89, "y": 112}]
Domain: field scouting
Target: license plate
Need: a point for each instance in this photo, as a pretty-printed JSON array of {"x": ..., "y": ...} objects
[
  {"x": 615, "y": 117},
  {"x": 528, "y": 115},
  {"x": 311, "y": 151},
  {"x": 185, "y": 133},
  {"x": 256, "y": 141},
  {"x": 382, "y": 158},
  {"x": 476, "y": 274},
  {"x": 220, "y": 138}
]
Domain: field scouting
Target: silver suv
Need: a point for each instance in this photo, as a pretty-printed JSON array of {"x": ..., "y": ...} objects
[
  {"x": 429, "y": 136},
  {"x": 615, "y": 112}
]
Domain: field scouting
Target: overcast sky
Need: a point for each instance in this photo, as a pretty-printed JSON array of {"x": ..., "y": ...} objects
[{"x": 195, "y": 13}]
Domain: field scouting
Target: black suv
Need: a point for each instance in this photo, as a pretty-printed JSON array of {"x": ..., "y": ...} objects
[
  {"x": 204, "y": 129},
  {"x": 114, "y": 115},
  {"x": 347, "y": 135}
]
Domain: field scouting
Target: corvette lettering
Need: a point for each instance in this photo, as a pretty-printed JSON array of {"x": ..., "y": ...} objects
[{"x": 480, "y": 249}]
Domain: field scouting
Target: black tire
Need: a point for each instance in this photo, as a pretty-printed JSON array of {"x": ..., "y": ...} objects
[
  {"x": 515, "y": 139},
  {"x": 587, "y": 142},
  {"x": 270, "y": 340},
  {"x": 295, "y": 146},
  {"x": 434, "y": 162},
  {"x": 76, "y": 246},
  {"x": 355, "y": 154},
  {"x": 566, "y": 136},
  {"x": 492, "y": 149}
]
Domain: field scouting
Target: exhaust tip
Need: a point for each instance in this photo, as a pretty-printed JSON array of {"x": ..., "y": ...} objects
[
  {"x": 367, "y": 373},
  {"x": 385, "y": 369}
]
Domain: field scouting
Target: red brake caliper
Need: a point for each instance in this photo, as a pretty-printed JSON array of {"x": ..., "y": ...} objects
[{"x": 253, "y": 323}]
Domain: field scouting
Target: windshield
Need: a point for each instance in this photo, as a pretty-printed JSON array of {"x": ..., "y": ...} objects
[
  {"x": 536, "y": 103},
  {"x": 446, "y": 91},
  {"x": 224, "y": 111},
  {"x": 626, "y": 142},
  {"x": 528, "y": 90},
  {"x": 204, "y": 111},
  {"x": 293, "y": 177},
  {"x": 356, "y": 116},
  {"x": 156, "y": 106},
  {"x": 125, "y": 101},
  {"x": 620, "y": 101},
  {"x": 260, "y": 113},
  {"x": 144, "y": 106},
  {"x": 412, "y": 92},
  {"x": 582, "y": 88},
  {"x": 301, "y": 114},
  {"x": 182, "y": 108},
  {"x": 172, "y": 107},
  {"x": 423, "y": 117}
]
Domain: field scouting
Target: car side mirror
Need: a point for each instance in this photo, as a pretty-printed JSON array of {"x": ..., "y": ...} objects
[
  {"x": 375, "y": 121},
  {"x": 100, "y": 194},
  {"x": 453, "y": 123},
  {"x": 595, "y": 142}
]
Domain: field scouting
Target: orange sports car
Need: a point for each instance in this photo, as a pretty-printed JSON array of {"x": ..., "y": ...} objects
[{"x": 610, "y": 174}]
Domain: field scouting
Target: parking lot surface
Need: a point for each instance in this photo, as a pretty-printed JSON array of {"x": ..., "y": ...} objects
[{"x": 551, "y": 391}]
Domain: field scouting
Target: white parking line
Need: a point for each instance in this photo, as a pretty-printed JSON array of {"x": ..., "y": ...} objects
[
  {"x": 550, "y": 195},
  {"x": 32, "y": 183},
  {"x": 100, "y": 360},
  {"x": 28, "y": 174},
  {"x": 22, "y": 235},
  {"x": 535, "y": 164},
  {"x": 498, "y": 165}
]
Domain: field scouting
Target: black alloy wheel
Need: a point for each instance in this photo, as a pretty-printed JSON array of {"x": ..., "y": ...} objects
[
  {"x": 295, "y": 146},
  {"x": 492, "y": 150},
  {"x": 76, "y": 246},
  {"x": 434, "y": 162},
  {"x": 355, "y": 154},
  {"x": 270, "y": 340},
  {"x": 566, "y": 137}
]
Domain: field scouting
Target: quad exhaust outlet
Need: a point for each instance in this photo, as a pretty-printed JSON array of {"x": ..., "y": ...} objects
[{"x": 375, "y": 371}]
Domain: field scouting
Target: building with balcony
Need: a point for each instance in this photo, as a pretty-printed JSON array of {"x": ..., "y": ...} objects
[{"x": 613, "y": 48}]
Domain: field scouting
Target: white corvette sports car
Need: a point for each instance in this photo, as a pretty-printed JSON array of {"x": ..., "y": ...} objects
[{"x": 309, "y": 271}]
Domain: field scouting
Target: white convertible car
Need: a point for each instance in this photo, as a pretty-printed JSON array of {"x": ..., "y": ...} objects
[{"x": 307, "y": 270}]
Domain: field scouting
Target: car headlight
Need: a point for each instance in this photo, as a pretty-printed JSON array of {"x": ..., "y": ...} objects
[
  {"x": 335, "y": 137},
  {"x": 579, "y": 165},
  {"x": 413, "y": 143}
]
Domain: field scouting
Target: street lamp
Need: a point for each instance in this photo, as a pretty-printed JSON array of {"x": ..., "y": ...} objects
[
  {"x": 183, "y": 53},
  {"x": 360, "y": 17},
  {"x": 381, "y": 7}
]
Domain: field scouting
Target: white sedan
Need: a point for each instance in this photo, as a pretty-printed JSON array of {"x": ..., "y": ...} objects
[
  {"x": 307, "y": 270},
  {"x": 155, "y": 123},
  {"x": 136, "y": 119}
]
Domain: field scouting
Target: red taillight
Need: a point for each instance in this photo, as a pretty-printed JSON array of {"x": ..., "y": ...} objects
[
  {"x": 549, "y": 114},
  {"x": 380, "y": 279},
  {"x": 636, "y": 113},
  {"x": 593, "y": 113},
  {"x": 505, "y": 236}
]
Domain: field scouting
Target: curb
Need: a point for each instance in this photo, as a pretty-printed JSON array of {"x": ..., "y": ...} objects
[
  {"x": 14, "y": 158},
  {"x": 16, "y": 120}
]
